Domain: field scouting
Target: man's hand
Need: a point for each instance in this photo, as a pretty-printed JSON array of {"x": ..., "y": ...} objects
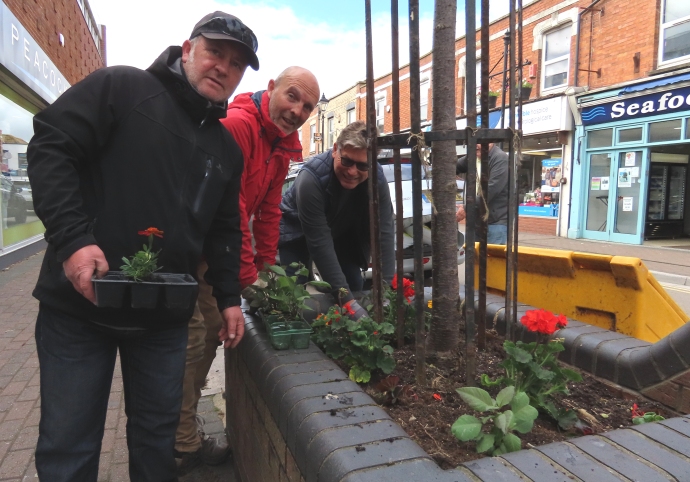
[
  {"x": 249, "y": 293},
  {"x": 354, "y": 310},
  {"x": 233, "y": 327},
  {"x": 460, "y": 215},
  {"x": 81, "y": 266}
]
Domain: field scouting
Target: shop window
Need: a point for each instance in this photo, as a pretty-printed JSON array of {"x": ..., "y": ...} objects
[
  {"x": 312, "y": 141},
  {"x": 351, "y": 116},
  {"x": 599, "y": 138},
  {"x": 687, "y": 128},
  {"x": 630, "y": 135},
  {"x": 18, "y": 220},
  {"x": 674, "y": 34},
  {"x": 665, "y": 131},
  {"x": 380, "y": 108},
  {"x": 556, "y": 58}
]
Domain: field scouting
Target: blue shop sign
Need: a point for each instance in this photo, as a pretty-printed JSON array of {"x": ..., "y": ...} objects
[{"x": 676, "y": 100}]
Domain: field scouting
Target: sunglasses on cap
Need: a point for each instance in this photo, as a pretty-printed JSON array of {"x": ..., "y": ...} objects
[{"x": 347, "y": 162}]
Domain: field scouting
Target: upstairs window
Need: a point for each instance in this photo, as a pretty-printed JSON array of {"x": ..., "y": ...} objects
[
  {"x": 331, "y": 132},
  {"x": 424, "y": 99},
  {"x": 380, "y": 107},
  {"x": 556, "y": 58},
  {"x": 674, "y": 34},
  {"x": 312, "y": 141},
  {"x": 351, "y": 116}
]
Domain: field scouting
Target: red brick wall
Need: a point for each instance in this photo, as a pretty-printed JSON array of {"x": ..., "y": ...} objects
[
  {"x": 610, "y": 35},
  {"x": 45, "y": 19},
  {"x": 539, "y": 225}
]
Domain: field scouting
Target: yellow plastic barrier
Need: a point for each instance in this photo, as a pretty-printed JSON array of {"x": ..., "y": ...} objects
[{"x": 613, "y": 292}]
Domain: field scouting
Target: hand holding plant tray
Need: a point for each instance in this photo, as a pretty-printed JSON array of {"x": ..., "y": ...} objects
[
  {"x": 281, "y": 303},
  {"x": 144, "y": 289}
]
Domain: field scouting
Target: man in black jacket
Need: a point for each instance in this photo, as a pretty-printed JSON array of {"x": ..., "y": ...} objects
[
  {"x": 496, "y": 198},
  {"x": 122, "y": 151},
  {"x": 326, "y": 217}
]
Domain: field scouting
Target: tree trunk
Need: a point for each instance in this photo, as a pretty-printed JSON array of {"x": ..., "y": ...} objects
[{"x": 443, "y": 337}]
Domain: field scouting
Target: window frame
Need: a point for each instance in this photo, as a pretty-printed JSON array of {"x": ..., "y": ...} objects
[
  {"x": 347, "y": 116},
  {"x": 330, "y": 128},
  {"x": 380, "y": 114},
  {"x": 312, "y": 142},
  {"x": 424, "y": 99},
  {"x": 662, "y": 28},
  {"x": 544, "y": 62}
]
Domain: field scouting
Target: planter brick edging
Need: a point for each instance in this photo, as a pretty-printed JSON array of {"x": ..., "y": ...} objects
[{"x": 293, "y": 415}]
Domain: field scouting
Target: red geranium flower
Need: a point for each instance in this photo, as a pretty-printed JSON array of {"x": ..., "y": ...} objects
[
  {"x": 543, "y": 321},
  {"x": 152, "y": 231},
  {"x": 408, "y": 287}
]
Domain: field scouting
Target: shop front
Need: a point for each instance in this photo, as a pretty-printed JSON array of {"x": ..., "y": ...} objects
[
  {"x": 545, "y": 165},
  {"x": 29, "y": 81},
  {"x": 633, "y": 157}
]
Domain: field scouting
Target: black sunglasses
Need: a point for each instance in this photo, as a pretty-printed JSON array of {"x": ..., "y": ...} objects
[
  {"x": 233, "y": 28},
  {"x": 347, "y": 162}
]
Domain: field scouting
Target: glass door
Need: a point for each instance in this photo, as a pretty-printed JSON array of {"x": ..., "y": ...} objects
[
  {"x": 614, "y": 196},
  {"x": 676, "y": 192},
  {"x": 656, "y": 205},
  {"x": 627, "y": 219}
]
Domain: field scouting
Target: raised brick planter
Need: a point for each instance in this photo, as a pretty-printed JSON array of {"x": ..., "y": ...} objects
[{"x": 295, "y": 416}]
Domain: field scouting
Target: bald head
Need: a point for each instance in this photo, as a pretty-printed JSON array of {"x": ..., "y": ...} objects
[{"x": 292, "y": 98}]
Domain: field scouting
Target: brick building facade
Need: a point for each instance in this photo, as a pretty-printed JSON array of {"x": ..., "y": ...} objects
[{"x": 45, "y": 46}]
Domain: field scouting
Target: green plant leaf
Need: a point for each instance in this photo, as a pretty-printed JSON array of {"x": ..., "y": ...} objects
[
  {"x": 519, "y": 401},
  {"x": 277, "y": 270},
  {"x": 385, "y": 363},
  {"x": 505, "y": 396},
  {"x": 502, "y": 421},
  {"x": 359, "y": 375},
  {"x": 512, "y": 443},
  {"x": 320, "y": 284},
  {"x": 520, "y": 355},
  {"x": 485, "y": 443},
  {"x": 541, "y": 373},
  {"x": 476, "y": 398},
  {"x": 466, "y": 428},
  {"x": 571, "y": 375},
  {"x": 524, "y": 418},
  {"x": 487, "y": 382},
  {"x": 301, "y": 272},
  {"x": 639, "y": 421},
  {"x": 359, "y": 338}
]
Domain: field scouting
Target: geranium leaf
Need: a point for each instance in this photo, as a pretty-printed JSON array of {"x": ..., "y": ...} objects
[
  {"x": 512, "y": 443},
  {"x": 520, "y": 355},
  {"x": 485, "y": 443}
]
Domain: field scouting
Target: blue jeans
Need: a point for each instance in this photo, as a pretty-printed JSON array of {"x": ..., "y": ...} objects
[
  {"x": 77, "y": 359},
  {"x": 497, "y": 234}
]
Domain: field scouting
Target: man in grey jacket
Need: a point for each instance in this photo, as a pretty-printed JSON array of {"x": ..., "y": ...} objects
[
  {"x": 326, "y": 217},
  {"x": 497, "y": 197}
]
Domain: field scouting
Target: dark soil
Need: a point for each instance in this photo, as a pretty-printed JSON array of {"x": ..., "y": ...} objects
[{"x": 428, "y": 416}]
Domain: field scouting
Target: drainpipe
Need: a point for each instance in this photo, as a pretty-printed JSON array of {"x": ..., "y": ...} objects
[
  {"x": 577, "y": 45},
  {"x": 570, "y": 94}
]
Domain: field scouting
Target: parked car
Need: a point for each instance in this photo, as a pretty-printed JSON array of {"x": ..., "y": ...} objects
[{"x": 386, "y": 161}]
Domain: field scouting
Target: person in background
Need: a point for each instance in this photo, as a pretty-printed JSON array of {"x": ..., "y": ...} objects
[
  {"x": 326, "y": 217},
  {"x": 119, "y": 152},
  {"x": 265, "y": 125},
  {"x": 497, "y": 197}
]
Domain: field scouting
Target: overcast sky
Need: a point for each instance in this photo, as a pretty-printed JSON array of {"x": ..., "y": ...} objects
[{"x": 326, "y": 37}]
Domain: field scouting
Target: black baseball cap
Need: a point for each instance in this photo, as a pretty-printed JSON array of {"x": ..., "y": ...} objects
[{"x": 222, "y": 26}]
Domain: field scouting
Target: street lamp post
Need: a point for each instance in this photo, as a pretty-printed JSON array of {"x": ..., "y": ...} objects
[{"x": 323, "y": 102}]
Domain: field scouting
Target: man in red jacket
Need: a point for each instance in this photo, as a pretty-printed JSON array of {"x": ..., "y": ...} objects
[{"x": 264, "y": 125}]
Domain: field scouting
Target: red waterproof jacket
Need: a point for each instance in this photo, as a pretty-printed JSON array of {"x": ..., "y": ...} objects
[{"x": 267, "y": 156}]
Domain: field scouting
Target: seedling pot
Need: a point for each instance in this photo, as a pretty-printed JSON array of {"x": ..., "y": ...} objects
[
  {"x": 172, "y": 290},
  {"x": 283, "y": 334}
]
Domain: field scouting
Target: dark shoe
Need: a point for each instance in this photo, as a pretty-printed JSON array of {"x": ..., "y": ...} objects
[
  {"x": 213, "y": 451},
  {"x": 186, "y": 461}
]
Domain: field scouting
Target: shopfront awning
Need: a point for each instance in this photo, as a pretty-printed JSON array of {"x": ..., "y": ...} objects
[{"x": 655, "y": 83}]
